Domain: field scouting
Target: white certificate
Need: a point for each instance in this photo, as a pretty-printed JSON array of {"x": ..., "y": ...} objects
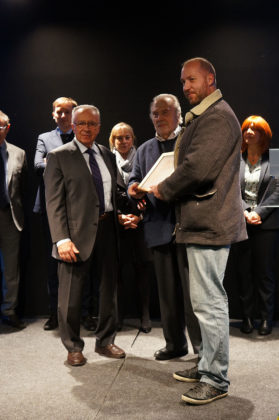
[{"x": 161, "y": 169}]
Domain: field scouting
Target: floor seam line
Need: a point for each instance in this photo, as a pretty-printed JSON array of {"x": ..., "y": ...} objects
[{"x": 109, "y": 388}]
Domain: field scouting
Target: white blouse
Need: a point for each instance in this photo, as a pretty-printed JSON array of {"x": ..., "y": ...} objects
[{"x": 252, "y": 179}]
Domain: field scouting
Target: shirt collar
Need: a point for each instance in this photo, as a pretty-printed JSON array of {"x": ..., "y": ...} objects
[
  {"x": 61, "y": 132},
  {"x": 203, "y": 105},
  {"x": 171, "y": 136},
  {"x": 83, "y": 148}
]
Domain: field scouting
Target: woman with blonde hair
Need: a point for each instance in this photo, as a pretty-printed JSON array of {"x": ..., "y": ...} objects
[{"x": 133, "y": 250}]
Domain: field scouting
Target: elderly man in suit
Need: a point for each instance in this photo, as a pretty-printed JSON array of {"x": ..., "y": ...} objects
[
  {"x": 13, "y": 170},
  {"x": 80, "y": 185},
  {"x": 206, "y": 189},
  {"x": 62, "y": 114},
  {"x": 170, "y": 263}
]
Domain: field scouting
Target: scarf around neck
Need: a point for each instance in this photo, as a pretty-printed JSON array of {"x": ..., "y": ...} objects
[{"x": 125, "y": 165}]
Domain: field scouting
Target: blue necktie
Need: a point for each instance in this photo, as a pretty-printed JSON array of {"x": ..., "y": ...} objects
[
  {"x": 3, "y": 196},
  {"x": 97, "y": 178}
]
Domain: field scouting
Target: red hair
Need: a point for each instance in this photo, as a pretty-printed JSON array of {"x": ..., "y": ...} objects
[{"x": 259, "y": 124}]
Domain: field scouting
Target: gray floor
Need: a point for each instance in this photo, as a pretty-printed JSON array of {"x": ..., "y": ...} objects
[{"x": 36, "y": 383}]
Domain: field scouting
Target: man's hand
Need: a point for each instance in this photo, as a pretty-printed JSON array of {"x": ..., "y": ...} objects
[
  {"x": 154, "y": 190},
  {"x": 129, "y": 221},
  {"x": 141, "y": 205},
  {"x": 67, "y": 252},
  {"x": 134, "y": 192},
  {"x": 252, "y": 218}
]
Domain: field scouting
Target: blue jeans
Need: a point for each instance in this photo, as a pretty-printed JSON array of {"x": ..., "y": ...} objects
[{"x": 207, "y": 266}]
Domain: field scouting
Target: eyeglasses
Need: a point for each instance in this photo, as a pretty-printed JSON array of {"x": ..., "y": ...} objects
[
  {"x": 3, "y": 128},
  {"x": 120, "y": 138},
  {"x": 82, "y": 124}
]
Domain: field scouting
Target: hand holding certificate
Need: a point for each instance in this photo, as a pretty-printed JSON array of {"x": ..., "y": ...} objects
[{"x": 161, "y": 169}]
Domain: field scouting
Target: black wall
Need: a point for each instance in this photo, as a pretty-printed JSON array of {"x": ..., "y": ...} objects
[{"x": 118, "y": 57}]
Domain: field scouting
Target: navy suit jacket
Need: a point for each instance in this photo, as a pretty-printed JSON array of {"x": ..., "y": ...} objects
[
  {"x": 45, "y": 144},
  {"x": 159, "y": 217},
  {"x": 268, "y": 189}
]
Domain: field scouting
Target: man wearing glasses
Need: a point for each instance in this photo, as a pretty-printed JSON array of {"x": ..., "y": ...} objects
[
  {"x": 80, "y": 184},
  {"x": 62, "y": 114},
  {"x": 12, "y": 182}
]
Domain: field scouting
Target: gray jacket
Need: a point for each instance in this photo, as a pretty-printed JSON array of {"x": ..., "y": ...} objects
[
  {"x": 71, "y": 197},
  {"x": 17, "y": 182},
  {"x": 205, "y": 184}
]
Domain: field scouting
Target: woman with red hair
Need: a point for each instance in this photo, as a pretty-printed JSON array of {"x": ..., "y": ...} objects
[{"x": 256, "y": 256}]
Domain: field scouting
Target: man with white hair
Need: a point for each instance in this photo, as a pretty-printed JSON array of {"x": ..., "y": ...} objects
[
  {"x": 170, "y": 263},
  {"x": 80, "y": 185}
]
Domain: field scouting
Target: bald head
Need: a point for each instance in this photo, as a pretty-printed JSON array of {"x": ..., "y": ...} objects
[{"x": 198, "y": 78}]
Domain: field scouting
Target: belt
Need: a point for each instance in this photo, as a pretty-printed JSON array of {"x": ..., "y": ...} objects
[{"x": 105, "y": 215}]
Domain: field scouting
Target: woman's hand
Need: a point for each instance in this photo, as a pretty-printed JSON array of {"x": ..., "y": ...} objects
[{"x": 129, "y": 221}]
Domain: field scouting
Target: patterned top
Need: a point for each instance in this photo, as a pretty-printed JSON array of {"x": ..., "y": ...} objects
[{"x": 252, "y": 178}]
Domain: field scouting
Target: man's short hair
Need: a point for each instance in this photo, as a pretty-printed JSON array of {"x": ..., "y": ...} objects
[
  {"x": 63, "y": 100},
  {"x": 89, "y": 107},
  {"x": 205, "y": 65},
  {"x": 4, "y": 117},
  {"x": 176, "y": 104}
]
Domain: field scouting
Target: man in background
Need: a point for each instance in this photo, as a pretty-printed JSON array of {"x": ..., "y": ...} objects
[
  {"x": 62, "y": 114},
  {"x": 13, "y": 171},
  {"x": 170, "y": 263}
]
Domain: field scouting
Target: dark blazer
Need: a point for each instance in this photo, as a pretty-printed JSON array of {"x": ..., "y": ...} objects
[
  {"x": 268, "y": 189},
  {"x": 159, "y": 218},
  {"x": 71, "y": 197},
  {"x": 125, "y": 204},
  {"x": 46, "y": 142},
  {"x": 17, "y": 177},
  {"x": 206, "y": 180}
]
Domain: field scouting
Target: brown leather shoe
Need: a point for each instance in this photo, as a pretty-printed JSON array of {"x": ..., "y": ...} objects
[
  {"x": 111, "y": 350},
  {"x": 76, "y": 358}
]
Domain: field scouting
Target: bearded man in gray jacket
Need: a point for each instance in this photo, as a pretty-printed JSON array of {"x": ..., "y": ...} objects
[{"x": 205, "y": 186}]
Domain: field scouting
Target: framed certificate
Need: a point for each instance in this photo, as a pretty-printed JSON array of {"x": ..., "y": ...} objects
[{"x": 161, "y": 169}]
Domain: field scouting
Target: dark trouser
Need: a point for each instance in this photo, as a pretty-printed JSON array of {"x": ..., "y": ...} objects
[
  {"x": 52, "y": 278},
  {"x": 9, "y": 245},
  {"x": 171, "y": 270},
  {"x": 135, "y": 260},
  {"x": 255, "y": 259},
  {"x": 52, "y": 267},
  {"x": 71, "y": 281}
]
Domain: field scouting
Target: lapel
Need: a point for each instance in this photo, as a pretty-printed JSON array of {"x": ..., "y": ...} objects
[
  {"x": 107, "y": 160},
  {"x": 153, "y": 154},
  {"x": 242, "y": 172},
  {"x": 78, "y": 161},
  {"x": 10, "y": 162},
  {"x": 107, "y": 156},
  {"x": 264, "y": 176},
  {"x": 120, "y": 180},
  {"x": 57, "y": 138}
]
